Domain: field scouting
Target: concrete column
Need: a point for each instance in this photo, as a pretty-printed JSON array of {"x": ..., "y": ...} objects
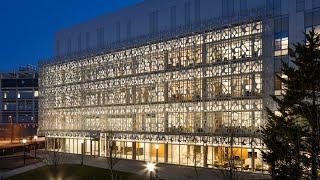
[
  {"x": 204, "y": 53},
  {"x": 166, "y": 121},
  {"x": 213, "y": 155},
  {"x": 166, "y": 57},
  {"x": 252, "y": 160},
  {"x": 99, "y": 147},
  {"x": 166, "y": 152},
  {"x": 54, "y": 144},
  {"x": 90, "y": 146},
  {"x": 134, "y": 150},
  {"x": 205, "y": 156}
]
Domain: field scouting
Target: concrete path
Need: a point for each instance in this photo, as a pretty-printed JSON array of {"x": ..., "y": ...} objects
[{"x": 21, "y": 170}]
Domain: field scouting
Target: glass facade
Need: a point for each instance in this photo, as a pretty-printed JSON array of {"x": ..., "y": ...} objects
[{"x": 199, "y": 97}]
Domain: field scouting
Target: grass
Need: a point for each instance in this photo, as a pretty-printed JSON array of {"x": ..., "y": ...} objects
[{"x": 72, "y": 172}]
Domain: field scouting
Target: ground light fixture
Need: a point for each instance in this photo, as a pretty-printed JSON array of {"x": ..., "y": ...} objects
[
  {"x": 150, "y": 167},
  {"x": 24, "y": 141},
  {"x": 35, "y": 145}
]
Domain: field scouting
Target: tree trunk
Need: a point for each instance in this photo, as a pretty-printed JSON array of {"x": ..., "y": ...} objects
[
  {"x": 315, "y": 137},
  {"x": 314, "y": 156},
  {"x": 195, "y": 165}
]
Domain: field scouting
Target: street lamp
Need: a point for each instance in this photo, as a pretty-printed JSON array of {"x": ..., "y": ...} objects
[
  {"x": 35, "y": 146},
  {"x": 150, "y": 167},
  {"x": 81, "y": 142},
  {"x": 24, "y": 141},
  {"x": 157, "y": 154}
]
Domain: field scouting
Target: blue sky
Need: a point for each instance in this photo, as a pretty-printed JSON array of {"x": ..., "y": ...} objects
[{"x": 28, "y": 27}]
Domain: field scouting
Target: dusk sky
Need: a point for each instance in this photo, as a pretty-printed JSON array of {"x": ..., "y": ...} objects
[{"x": 28, "y": 27}]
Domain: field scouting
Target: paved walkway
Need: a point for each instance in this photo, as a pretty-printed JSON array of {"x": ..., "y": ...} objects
[
  {"x": 21, "y": 170},
  {"x": 172, "y": 172},
  {"x": 169, "y": 172}
]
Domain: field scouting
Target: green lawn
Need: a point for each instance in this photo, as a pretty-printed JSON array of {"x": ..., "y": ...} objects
[{"x": 72, "y": 172}]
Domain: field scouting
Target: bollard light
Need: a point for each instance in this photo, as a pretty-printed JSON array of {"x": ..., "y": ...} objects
[
  {"x": 150, "y": 167},
  {"x": 24, "y": 141},
  {"x": 35, "y": 146}
]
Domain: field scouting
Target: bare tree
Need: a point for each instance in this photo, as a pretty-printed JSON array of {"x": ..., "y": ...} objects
[
  {"x": 196, "y": 158},
  {"x": 53, "y": 156},
  {"x": 231, "y": 165},
  {"x": 112, "y": 159}
]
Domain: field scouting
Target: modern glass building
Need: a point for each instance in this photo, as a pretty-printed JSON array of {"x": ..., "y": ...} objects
[{"x": 196, "y": 87}]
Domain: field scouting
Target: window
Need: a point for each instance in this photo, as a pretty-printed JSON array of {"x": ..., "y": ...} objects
[
  {"x": 300, "y": 5},
  {"x": 278, "y": 113},
  {"x": 36, "y": 93},
  {"x": 315, "y": 3},
  {"x": 25, "y": 94},
  {"x": 281, "y": 36},
  {"x": 279, "y": 87},
  {"x": 281, "y": 45},
  {"x": 185, "y": 90},
  {"x": 9, "y": 106},
  {"x": 184, "y": 122},
  {"x": 316, "y": 29}
]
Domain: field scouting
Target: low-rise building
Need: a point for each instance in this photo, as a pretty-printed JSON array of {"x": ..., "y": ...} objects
[{"x": 19, "y": 103}]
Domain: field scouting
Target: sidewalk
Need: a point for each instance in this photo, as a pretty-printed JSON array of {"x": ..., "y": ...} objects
[
  {"x": 171, "y": 172},
  {"x": 166, "y": 171},
  {"x": 21, "y": 170}
]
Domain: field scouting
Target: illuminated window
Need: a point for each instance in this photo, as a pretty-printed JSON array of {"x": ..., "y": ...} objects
[
  {"x": 19, "y": 96},
  {"x": 281, "y": 45},
  {"x": 316, "y": 29},
  {"x": 277, "y": 113},
  {"x": 36, "y": 93},
  {"x": 5, "y": 95},
  {"x": 281, "y": 36},
  {"x": 279, "y": 87}
]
